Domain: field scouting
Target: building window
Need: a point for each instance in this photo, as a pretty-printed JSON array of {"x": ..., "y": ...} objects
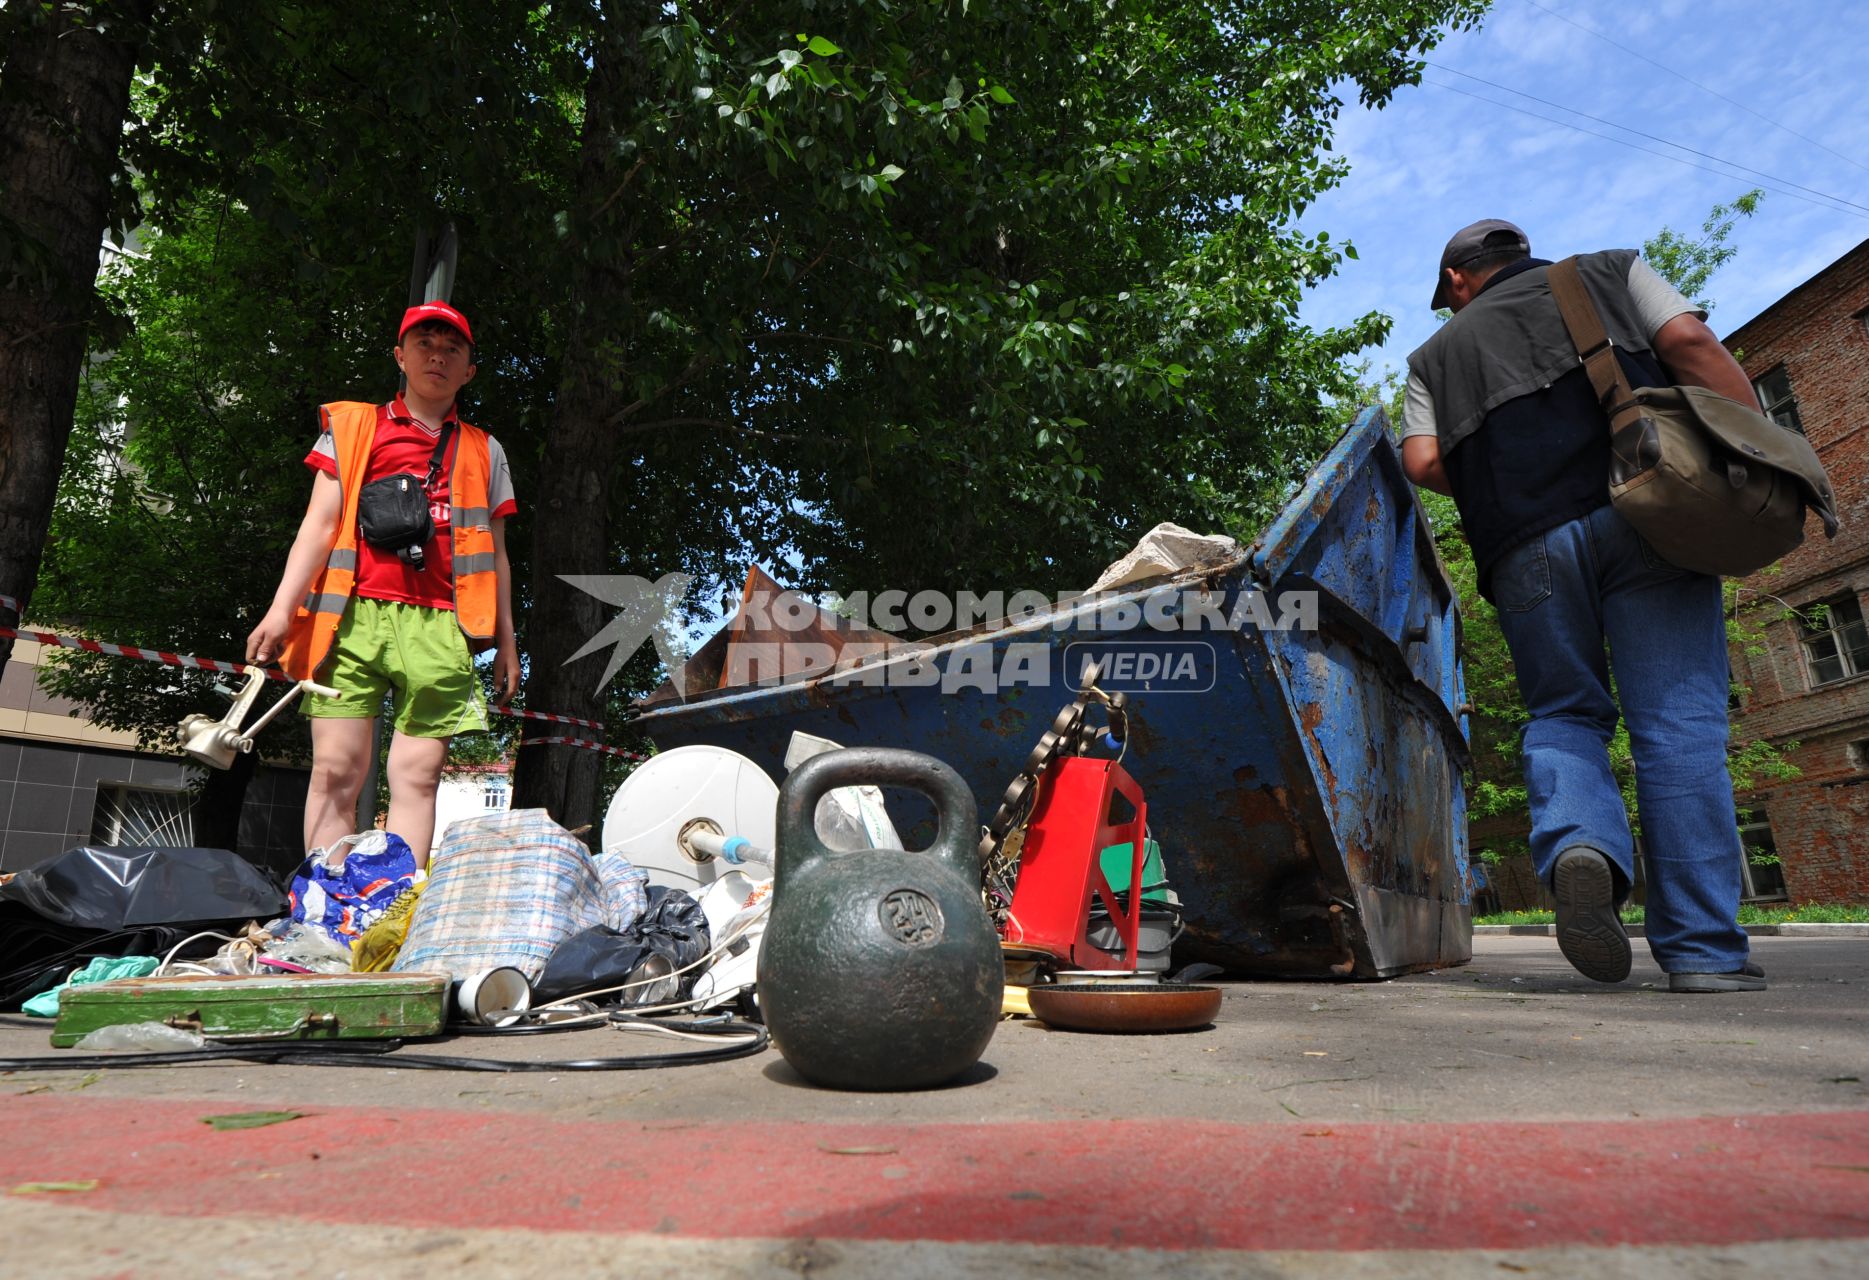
[
  {"x": 1836, "y": 644},
  {"x": 1776, "y": 400},
  {"x": 142, "y": 816},
  {"x": 497, "y": 794},
  {"x": 1764, "y": 876}
]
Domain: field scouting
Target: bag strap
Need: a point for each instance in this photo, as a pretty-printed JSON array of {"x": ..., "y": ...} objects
[
  {"x": 1594, "y": 348},
  {"x": 435, "y": 458}
]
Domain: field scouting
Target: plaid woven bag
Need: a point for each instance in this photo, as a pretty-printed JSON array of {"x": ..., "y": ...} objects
[{"x": 505, "y": 889}]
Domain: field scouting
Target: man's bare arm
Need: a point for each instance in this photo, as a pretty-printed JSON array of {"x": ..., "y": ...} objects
[
  {"x": 1690, "y": 352},
  {"x": 1421, "y": 462},
  {"x": 317, "y": 534}
]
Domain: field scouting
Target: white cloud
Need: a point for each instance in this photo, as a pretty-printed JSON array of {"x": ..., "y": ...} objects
[
  {"x": 1540, "y": 143},
  {"x": 1437, "y": 160}
]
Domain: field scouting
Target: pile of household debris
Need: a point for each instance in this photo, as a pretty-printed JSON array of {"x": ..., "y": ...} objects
[
  {"x": 516, "y": 924},
  {"x": 1312, "y": 795}
]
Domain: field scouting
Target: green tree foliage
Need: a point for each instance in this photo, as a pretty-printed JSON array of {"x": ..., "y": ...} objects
[
  {"x": 1079, "y": 315},
  {"x": 888, "y": 294},
  {"x": 941, "y": 295},
  {"x": 180, "y": 481},
  {"x": 1688, "y": 263}
]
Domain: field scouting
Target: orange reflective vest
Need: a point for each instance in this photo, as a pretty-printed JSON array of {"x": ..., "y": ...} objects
[{"x": 314, "y": 626}]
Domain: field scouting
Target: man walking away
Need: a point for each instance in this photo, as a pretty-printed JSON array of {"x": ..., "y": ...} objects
[{"x": 1501, "y": 415}]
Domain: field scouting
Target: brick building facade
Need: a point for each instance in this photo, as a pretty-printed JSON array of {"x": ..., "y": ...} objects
[{"x": 1808, "y": 355}]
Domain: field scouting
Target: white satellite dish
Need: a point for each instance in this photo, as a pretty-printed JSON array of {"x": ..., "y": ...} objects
[{"x": 674, "y": 797}]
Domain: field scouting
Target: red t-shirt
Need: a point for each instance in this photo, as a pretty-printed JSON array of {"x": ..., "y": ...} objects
[{"x": 404, "y": 444}]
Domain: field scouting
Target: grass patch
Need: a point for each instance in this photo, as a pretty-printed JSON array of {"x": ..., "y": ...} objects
[
  {"x": 1806, "y": 913},
  {"x": 1517, "y": 917},
  {"x": 1801, "y": 913}
]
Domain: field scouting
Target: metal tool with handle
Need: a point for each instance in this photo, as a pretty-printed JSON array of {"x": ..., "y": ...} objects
[{"x": 216, "y": 742}]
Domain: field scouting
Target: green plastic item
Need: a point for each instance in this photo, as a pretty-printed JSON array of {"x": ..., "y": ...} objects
[
  {"x": 101, "y": 969},
  {"x": 310, "y": 1006},
  {"x": 1116, "y": 859}
]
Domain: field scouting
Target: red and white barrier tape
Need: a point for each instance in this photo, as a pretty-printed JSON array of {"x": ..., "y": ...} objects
[
  {"x": 587, "y": 744},
  {"x": 595, "y": 726},
  {"x": 146, "y": 655},
  {"x": 271, "y": 673}
]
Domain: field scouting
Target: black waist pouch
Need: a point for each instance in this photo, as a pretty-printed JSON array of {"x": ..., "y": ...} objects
[{"x": 392, "y": 513}]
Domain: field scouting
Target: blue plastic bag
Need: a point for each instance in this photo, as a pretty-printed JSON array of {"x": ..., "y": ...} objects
[{"x": 342, "y": 899}]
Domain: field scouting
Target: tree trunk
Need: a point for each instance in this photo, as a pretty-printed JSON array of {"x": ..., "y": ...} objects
[
  {"x": 64, "y": 90},
  {"x": 571, "y": 529}
]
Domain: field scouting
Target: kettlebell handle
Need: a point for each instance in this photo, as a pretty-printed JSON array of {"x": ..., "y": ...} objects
[{"x": 956, "y": 816}]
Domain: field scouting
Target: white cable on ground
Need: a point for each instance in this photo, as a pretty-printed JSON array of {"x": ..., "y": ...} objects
[
  {"x": 714, "y": 997},
  {"x": 658, "y": 1029},
  {"x": 205, "y": 933}
]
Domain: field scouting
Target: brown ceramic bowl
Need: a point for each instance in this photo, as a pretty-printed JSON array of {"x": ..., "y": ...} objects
[{"x": 1127, "y": 1007}]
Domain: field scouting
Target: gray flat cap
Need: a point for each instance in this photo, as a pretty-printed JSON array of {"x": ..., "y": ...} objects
[{"x": 1470, "y": 243}]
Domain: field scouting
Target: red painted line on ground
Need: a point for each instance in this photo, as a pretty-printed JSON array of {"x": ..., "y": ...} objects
[{"x": 1168, "y": 1184}]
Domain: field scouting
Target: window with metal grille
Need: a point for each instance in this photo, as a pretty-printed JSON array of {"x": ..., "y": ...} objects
[
  {"x": 142, "y": 816},
  {"x": 1758, "y": 862},
  {"x": 1776, "y": 400},
  {"x": 1836, "y": 643}
]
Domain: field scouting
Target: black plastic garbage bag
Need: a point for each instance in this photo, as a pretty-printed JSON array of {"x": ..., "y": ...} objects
[
  {"x": 111, "y": 888},
  {"x": 89, "y": 902},
  {"x": 673, "y": 928}
]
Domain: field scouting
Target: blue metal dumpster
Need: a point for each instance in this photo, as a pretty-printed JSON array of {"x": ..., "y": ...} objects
[{"x": 1303, "y": 761}]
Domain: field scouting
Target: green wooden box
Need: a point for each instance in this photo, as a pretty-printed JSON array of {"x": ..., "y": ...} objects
[{"x": 290, "y": 1006}]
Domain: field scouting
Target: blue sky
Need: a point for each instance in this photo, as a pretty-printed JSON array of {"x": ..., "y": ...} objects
[{"x": 1436, "y": 159}]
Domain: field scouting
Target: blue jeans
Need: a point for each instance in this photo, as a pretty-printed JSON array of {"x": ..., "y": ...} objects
[{"x": 1561, "y": 595}]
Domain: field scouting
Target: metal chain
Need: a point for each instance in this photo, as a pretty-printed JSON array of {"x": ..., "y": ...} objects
[{"x": 1070, "y": 734}]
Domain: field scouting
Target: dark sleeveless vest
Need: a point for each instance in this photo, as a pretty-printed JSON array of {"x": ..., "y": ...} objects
[{"x": 1523, "y": 442}]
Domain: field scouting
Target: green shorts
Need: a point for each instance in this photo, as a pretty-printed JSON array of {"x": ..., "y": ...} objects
[{"x": 415, "y": 650}]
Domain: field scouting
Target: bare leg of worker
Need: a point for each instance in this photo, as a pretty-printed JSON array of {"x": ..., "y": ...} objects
[
  {"x": 340, "y": 759},
  {"x": 414, "y": 774}
]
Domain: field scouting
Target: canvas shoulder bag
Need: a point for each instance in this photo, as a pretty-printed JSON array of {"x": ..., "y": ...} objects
[{"x": 1713, "y": 485}]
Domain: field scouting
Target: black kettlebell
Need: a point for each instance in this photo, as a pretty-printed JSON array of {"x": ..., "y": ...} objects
[{"x": 879, "y": 968}]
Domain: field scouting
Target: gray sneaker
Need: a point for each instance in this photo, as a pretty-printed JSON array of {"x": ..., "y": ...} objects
[
  {"x": 1589, "y": 930},
  {"x": 1750, "y": 978}
]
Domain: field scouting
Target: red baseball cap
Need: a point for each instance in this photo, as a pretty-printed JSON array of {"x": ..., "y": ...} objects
[{"x": 435, "y": 311}]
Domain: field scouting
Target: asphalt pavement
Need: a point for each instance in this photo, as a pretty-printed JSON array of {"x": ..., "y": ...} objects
[{"x": 1509, "y": 1114}]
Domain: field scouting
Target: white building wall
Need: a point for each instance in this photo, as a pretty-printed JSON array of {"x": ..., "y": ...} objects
[{"x": 468, "y": 795}]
